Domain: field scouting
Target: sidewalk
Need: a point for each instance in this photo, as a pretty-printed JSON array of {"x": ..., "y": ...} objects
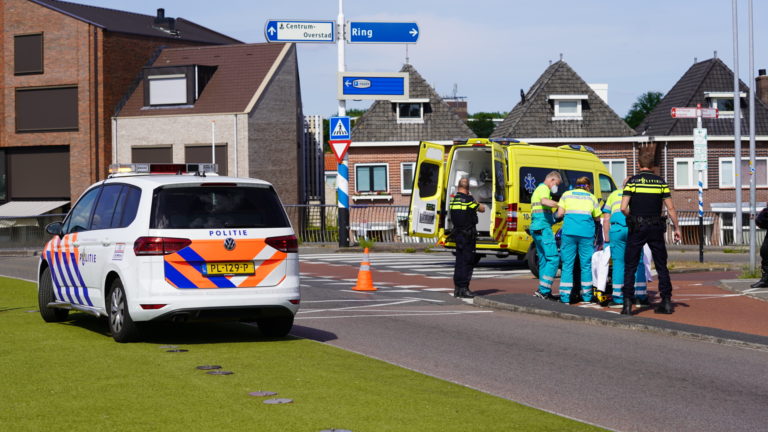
[{"x": 711, "y": 306}]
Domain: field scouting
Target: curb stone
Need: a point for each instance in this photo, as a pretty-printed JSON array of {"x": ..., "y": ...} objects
[{"x": 625, "y": 323}]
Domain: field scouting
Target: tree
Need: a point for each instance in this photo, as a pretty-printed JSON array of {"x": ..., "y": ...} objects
[
  {"x": 482, "y": 124},
  {"x": 643, "y": 106}
]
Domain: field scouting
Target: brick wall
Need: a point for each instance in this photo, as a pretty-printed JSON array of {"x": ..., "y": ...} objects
[
  {"x": 275, "y": 131},
  {"x": 393, "y": 157}
]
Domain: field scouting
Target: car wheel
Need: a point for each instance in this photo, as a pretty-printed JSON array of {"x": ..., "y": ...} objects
[
  {"x": 275, "y": 327},
  {"x": 45, "y": 296},
  {"x": 533, "y": 260},
  {"x": 120, "y": 323}
]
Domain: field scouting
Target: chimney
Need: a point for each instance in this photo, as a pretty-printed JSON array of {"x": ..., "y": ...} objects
[
  {"x": 160, "y": 18},
  {"x": 761, "y": 86},
  {"x": 601, "y": 90}
]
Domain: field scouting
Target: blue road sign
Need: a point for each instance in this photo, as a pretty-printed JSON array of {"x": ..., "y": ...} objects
[
  {"x": 300, "y": 31},
  {"x": 370, "y": 85},
  {"x": 340, "y": 128},
  {"x": 382, "y": 32}
]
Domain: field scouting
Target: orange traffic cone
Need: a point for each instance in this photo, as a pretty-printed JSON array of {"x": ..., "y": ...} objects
[{"x": 364, "y": 279}]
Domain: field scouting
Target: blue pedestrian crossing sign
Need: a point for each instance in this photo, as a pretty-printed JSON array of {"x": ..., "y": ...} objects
[{"x": 340, "y": 128}]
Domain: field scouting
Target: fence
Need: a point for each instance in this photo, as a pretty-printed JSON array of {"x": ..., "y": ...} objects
[
  {"x": 381, "y": 223},
  {"x": 25, "y": 232}
]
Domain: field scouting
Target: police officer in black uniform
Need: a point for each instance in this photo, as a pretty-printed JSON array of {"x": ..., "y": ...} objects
[
  {"x": 463, "y": 209},
  {"x": 644, "y": 195}
]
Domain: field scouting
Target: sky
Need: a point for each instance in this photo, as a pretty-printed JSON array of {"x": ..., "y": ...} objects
[{"x": 490, "y": 49}]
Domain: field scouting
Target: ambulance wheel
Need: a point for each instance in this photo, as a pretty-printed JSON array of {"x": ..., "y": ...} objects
[
  {"x": 276, "y": 327},
  {"x": 533, "y": 260},
  {"x": 45, "y": 296},
  {"x": 120, "y": 323}
]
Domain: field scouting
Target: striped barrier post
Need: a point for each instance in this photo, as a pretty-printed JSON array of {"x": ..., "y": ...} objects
[{"x": 701, "y": 216}]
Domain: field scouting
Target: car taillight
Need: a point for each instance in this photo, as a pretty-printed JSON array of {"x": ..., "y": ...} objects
[
  {"x": 512, "y": 217},
  {"x": 286, "y": 244},
  {"x": 159, "y": 245}
]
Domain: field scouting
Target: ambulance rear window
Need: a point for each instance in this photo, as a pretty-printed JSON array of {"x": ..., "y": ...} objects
[{"x": 225, "y": 206}]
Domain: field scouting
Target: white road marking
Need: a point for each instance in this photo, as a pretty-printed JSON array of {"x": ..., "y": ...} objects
[
  {"x": 438, "y": 289},
  {"x": 395, "y": 315}
]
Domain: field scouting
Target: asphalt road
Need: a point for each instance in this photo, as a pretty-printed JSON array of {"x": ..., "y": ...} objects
[{"x": 619, "y": 379}]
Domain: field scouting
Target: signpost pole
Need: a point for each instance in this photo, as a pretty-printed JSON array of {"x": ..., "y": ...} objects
[
  {"x": 752, "y": 183},
  {"x": 737, "y": 220},
  {"x": 701, "y": 195},
  {"x": 342, "y": 173}
]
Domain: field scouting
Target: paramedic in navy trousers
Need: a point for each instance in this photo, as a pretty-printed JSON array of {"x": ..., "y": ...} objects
[
  {"x": 463, "y": 210},
  {"x": 642, "y": 201}
]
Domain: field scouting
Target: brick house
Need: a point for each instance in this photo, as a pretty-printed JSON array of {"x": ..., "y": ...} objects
[
  {"x": 385, "y": 145},
  {"x": 66, "y": 68},
  {"x": 246, "y": 98},
  {"x": 710, "y": 83},
  {"x": 561, "y": 108}
]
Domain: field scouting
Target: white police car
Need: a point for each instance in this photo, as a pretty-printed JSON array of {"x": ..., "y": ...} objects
[{"x": 150, "y": 245}]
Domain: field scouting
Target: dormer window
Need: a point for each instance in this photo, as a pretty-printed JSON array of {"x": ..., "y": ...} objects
[
  {"x": 175, "y": 85},
  {"x": 567, "y": 107},
  {"x": 723, "y": 101},
  {"x": 411, "y": 110}
]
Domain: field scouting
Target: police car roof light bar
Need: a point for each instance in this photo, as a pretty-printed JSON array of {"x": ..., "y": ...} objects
[{"x": 163, "y": 168}]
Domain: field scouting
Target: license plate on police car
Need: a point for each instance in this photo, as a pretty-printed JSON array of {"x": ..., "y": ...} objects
[{"x": 229, "y": 268}]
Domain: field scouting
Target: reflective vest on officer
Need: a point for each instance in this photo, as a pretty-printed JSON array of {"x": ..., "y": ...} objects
[
  {"x": 541, "y": 215},
  {"x": 613, "y": 207},
  {"x": 581, "y": 207}
]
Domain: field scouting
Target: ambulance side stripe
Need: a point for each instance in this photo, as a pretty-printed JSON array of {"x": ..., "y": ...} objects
[
  {"x": 72, "y": 278},
  {"x": 53, "y": 275},
  {"x": 175, "y": 277},
  {"x": 80, "y": 279},
  {"x": 191, "y": 256}
]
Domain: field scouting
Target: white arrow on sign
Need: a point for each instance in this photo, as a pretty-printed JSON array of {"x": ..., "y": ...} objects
[
  {"x": 271, "y": 30},
  {"x": 347, "y": 83},
  {"x": 413, "y": 32}
]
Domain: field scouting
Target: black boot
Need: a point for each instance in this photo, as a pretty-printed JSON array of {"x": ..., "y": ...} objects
[
  {"x": 763, "y": 282},
  {"x": 456, "y": 292},
  {"x": 626, "y": 308},
  {"x": 665, "y": 307},
  {"x": 466, "y": 293}
]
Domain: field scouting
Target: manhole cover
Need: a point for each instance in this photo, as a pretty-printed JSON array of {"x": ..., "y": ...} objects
[
  {"x": 262, "y": 393},
  {"x": 208, "y": 367},
  {"x": 219, "y": 372},
  {"x": 277, "y": 401},
  {"x": 177, "y": 350}
]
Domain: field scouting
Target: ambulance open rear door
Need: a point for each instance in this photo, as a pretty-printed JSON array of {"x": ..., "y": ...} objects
[
  {"x": 500, "y": 209},
  {"x": 428, "y": 193}
]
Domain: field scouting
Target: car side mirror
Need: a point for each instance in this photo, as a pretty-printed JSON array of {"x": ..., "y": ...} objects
[{"x": 54, "y": 228}]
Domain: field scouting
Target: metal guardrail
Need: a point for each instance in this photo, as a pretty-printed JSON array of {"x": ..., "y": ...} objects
[{"x": 315, "y": 223}]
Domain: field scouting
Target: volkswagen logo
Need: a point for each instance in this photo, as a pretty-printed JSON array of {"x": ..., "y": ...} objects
[{"x": 229, "y": 244}]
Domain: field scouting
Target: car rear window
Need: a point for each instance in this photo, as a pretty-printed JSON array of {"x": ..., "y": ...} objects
[{"x": 207, "y": 206}]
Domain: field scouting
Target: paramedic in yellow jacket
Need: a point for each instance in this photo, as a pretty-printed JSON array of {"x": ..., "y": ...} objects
[
  {"x": 542, "y": 219},
  {"x": 580, "y": 210}
]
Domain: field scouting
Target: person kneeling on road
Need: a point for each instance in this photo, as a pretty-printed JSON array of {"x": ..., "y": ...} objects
[
  {"x": 463, "y": 211},
  {"x": 542, "y": 220},
  {"x": 581, "y": 211}
]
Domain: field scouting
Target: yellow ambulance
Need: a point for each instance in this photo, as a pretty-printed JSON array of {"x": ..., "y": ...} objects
[{"x": 503, "y": 174}]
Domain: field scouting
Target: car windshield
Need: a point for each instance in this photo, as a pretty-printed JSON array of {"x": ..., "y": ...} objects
[{"x": 217, "y": 206}]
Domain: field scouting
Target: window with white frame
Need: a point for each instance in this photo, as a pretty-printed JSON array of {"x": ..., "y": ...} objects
[
  {"x": 728, "y": 173},
  {"x": 567, "y": 107},
  {"x": 406, "y": 177},
  {"x": 617, "y": 168},
  {"x": 686, "y": 177},
  {"x": 371, "y": 178},
  {"x": 411, "y": 110},
  {"x": 723, "y": 101}
]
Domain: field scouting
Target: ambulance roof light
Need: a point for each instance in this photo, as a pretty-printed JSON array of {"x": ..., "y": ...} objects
[{"x": 506, "y": 141}]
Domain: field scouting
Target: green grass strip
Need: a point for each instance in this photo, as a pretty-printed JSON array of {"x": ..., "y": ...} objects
[{"x": 73, "y": 375}]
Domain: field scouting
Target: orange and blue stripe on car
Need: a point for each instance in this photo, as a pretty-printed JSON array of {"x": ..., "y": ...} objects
[
  {"x": 185, "y": 269},
  {"x": 65, "y": 272}
]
